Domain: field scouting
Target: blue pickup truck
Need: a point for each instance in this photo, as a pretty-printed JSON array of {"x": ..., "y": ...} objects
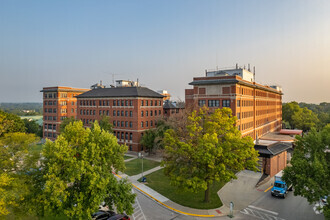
[{"x": 280, "y": 188}]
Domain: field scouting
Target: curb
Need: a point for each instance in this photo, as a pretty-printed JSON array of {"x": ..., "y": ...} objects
[{"x": 163, "y": 204}]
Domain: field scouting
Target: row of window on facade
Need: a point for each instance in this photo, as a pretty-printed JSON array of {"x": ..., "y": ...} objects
[
  {"x": 123, "y": 135},
  {"x": 50, "y": 126},
  {"x": 50, "y": 102},
  {"x": 50, "y": 135},
  {"x": 119, "y": 103},
  {"x": 172, "y": 111},
  {"x": 53, "y": 95},
  {"x": 214, "y": 103}
]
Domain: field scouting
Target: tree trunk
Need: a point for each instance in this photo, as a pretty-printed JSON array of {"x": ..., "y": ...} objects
[{"x": 207, "y": 194}]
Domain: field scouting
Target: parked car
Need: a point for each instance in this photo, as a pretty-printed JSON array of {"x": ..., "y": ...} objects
[
  {"x": 324, "y": 200},
  {"x": 109, "y": 215}
]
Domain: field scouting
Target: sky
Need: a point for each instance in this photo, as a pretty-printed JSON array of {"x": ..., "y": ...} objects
[{"x": 163, "y": 44}]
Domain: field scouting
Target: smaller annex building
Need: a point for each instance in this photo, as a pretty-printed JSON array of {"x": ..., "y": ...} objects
[{"x": 275, "y": 150}]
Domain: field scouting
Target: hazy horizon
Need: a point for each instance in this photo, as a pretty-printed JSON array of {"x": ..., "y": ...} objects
[{"x": 163, "y": 43}]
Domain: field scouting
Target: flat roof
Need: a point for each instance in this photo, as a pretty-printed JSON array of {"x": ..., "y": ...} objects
[
  {"x": 120, "y": 92},
  {"x": 277, "y": 136}
]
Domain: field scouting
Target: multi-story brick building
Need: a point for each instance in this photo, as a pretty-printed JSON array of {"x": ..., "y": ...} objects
[
  {"x": 132, "y": 110},
  {"x": 258, "y": 107},
  {"x": 58, "y": 103}
]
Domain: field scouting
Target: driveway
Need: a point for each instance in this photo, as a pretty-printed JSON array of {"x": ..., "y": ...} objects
[{"x": 241, "y": 191}]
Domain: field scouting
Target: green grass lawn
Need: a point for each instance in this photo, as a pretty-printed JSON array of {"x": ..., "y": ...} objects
[
  {"x": 134, "y": 167},
  {"x": 127, "y": 157},
  {"x": 160, "y": 183}
]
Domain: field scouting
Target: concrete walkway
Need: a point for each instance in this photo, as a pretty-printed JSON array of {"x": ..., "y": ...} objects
[{"x": 241, "y": 192}]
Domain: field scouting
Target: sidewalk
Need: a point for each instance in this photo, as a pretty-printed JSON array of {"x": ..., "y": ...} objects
[{"x": 241, "y": 192}]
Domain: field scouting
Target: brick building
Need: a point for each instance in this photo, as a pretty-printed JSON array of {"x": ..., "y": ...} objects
[
  {"x": 257, "y": 107},
  {"x": 172, "y": 108},
  {"x": 58, "y": 103},
  {"x": 132, "y": 110}
]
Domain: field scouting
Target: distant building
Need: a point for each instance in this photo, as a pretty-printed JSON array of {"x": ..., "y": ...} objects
[
  {"x": 132, "y": 110},
  {"x": 172, "y": 108},
  {"x": 258, "y": 108},
  {"x": 164, "y": 93},
  {"x": 58, "y": 103}
]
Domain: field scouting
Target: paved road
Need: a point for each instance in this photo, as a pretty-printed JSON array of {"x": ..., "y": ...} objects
[{"x": 268, "y": 207}]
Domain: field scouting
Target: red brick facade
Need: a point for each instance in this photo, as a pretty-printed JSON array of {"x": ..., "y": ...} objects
[
  {"x": 58, "y": 103},
  {"x": 258, "y": 108},
  {"x": 130, "y": 116}
]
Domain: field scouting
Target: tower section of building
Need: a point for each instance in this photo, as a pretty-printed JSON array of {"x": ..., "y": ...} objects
[
  {"x": 58, "y": 103},
  {"x": 258, "y": 108},
  {"x": 132, "y": 111}
]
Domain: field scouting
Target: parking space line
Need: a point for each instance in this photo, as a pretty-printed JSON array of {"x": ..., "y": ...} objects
[{"x": 268, "y": 189}]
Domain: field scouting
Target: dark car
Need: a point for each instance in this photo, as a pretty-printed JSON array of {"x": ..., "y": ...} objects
[{"x": 109, "y": 215}]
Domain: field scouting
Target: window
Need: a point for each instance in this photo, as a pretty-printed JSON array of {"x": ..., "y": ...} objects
[
  {"x": 130, "y": 124},
  {"x": 150, "y": 123},
  {"x": 141, "y": 124},
  {"x": 108, "y": 103},
  {"x": 122, "y": 124},
  {"x": 146, "y": 102},
  {"x": 130, "y": 102},
  {"x": 141, "y": 113},
  {"x": 201, "y": 102},
  {"x": 146, "y": 123},
  {"x": 122, "y": 102},
  {"x": 118, "y": 135},
  {"x": 146, "y": 113},
  {"x": 118, "y": 113},
  {"x": 114, "y": 123},
  {"x": 160, "y": 112},
  {"x": 118, "y": 103},
  {"x": 238, "y": 103},
  {"x": 126, "y": 103},
  {"x": 87, "y": 112},
  {"x": 72, "y": 110},
  {"x": 151, "y": 103},
  {"x": 142, "y": 103},
  {"x": 126, "y": 113},
  {"x": 130, "y": 136},
  {"x": 238, "y": 116},
  {"x": 54, "y": 110},
  {"x": 126, "y": 124},
  {"x": 225, "y": 103},
  {"x": 122, "y": 113},
  {"x": 114, "y": 102},
  {"x": 45, "y": 110},
  {"x": 100, "y": 112},
  {"x": 114, "y": 113},
  {"x": 126, "y": 135},
  {"x": 213, "y": 103},
  {"x": 118, "y": 123},
  {"x": 151, "y": 113},
  {"x": 155, "y": 112},
  {"x": 107, "y": 112},
  {"x": 122, "y": 135},
  {"x": 131, "y": 114},
  {"x": 100, "y": 103}
]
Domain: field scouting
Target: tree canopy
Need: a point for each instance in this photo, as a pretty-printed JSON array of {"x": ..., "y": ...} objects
[
  {"x": 10, "y": 123},
  {"x": 77, "y": 173},
  {"x": 212, "y": 150},
  {"x": 310, "y": 173}
]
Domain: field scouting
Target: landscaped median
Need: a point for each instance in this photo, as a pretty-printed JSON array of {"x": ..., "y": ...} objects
[
  {"x": 161, "y": 183},
  {"x": 134, "y": 167}
]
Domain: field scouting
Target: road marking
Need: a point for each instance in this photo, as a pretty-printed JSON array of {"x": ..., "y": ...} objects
[
  {"x": 260, "y": 213},
  {"x": 138, "y": 212},
  {"x": 268, "y": 189},
  {"x": 264, "y": 210}
]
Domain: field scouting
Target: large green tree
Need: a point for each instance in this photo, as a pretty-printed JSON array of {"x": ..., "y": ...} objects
[
  {"x": 76, "y": 174},
  {"x": 11, "y": 123},
  {"x": 15, "y": 162},
  {"x": 148, "y": 140},
  {"x": 212, "y": 150},
  {"x": 309, "y": 172}
]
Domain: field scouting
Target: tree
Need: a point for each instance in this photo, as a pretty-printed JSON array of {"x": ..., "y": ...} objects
[
  {"x": 148, "y": 140},
  {"x": 105, "y": 124},
  {"x": 33, "y": 127},
  {"x": 11, "y": 123},
  {"x": 212, "y": 150},
  {"x": 67, "y": 121},
  {"x": 304, "y": 119},
  {"x": 309, "y": 173},
  {"x": 77, "y": 173},
  {"x": 15, "y": 161}
]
